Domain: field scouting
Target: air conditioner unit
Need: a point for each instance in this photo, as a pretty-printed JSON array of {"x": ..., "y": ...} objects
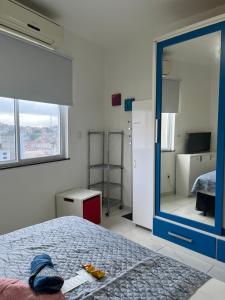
[
  {"x": 166, "y": 66},
  {"x": 21, "y": 21}
]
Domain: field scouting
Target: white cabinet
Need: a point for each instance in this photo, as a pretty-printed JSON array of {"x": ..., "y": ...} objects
[
  {"x": 80, "y": 202},
  {"x": 191, "y": 166},
  {"x": 143, "y": 162}
]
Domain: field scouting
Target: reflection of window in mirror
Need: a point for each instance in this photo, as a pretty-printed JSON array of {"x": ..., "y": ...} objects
[{"x": 168, "y": 132}]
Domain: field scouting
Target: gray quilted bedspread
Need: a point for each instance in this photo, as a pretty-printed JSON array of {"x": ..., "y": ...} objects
[
  {"x": 132, "y": 271},
  {"x": 205, "y": 183}
]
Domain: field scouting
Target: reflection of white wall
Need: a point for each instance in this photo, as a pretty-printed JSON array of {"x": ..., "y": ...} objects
[
  {"x": 197, "y": 111},
  {"x": 168, "y": 172},
  {"x": 194, "y": 110},
  {"x": 214, "y": 105}
]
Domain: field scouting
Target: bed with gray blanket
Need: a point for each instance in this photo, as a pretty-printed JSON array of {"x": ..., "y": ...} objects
[
  {"x": 205, "y": 189},
  {"x": 205, "y": 183},
  {"x": 132, "y": 271}
]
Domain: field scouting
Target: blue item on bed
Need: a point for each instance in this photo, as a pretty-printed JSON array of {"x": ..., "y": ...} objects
[
  {"x": 44, "y": 278},
  {"x": 205, "y": 183}
]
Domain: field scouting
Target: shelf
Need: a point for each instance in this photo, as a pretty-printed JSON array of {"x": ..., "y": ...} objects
[
  {"x": 107, "y": 132},
  {"x": 115, "y": 132},
  {"x": 113, "y": 201},
  {"x": 101, "y": 184},
  {"x": 96, "y": 132},
  {"x": 105, "y": 166}
]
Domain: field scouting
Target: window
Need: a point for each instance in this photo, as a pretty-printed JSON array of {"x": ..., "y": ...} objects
[
  {"x": 7, "y": 131},
  {"x": 167, "y": 131},
  {"x": 31, "y": 132},
  {"x": 39, "y": 129}
]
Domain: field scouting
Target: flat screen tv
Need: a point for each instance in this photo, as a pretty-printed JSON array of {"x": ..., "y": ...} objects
[{"x": 198, "y": 142}]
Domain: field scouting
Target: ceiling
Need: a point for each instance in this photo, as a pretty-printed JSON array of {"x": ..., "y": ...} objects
[
  {"x": 204, "y": 50},
  {"x": 113, "y": 22}
]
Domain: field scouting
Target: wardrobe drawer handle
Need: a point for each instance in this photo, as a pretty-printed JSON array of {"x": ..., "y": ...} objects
[{"x": 180, "y": 237}]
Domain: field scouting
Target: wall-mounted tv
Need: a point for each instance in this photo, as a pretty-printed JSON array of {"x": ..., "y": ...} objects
[{"x": 198, "y": 142}]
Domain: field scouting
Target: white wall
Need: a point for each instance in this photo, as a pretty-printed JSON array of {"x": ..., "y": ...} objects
[
  {"x": 128, "y": 70},
  {"x": 27, "y": 193}
]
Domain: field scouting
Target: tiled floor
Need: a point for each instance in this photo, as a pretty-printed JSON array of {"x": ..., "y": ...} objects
[
  {"x": 184, "y": 207},
  {"x": 144, "y": 237}
]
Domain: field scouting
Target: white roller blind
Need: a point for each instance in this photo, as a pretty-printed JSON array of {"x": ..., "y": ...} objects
[
  {"x": 170, "y": 95},
  {"x": 30, "y": 73}
]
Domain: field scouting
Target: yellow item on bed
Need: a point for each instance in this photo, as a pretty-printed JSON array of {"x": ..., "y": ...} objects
[{"x": 94, "y": 272}]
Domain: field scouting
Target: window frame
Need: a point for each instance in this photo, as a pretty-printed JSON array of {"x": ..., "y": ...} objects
[
  {"x": 19, "y": 162},
  {"x": 170, "y": 147}
]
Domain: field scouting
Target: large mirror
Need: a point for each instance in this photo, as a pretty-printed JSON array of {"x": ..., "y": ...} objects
[{"x": 190, "y": 96}]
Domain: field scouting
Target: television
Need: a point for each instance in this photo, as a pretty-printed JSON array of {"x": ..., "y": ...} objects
[{"x": 198, "y": 142}]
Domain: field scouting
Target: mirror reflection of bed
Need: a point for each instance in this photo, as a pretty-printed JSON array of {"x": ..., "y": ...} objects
[{"x": 190, "y": 88}]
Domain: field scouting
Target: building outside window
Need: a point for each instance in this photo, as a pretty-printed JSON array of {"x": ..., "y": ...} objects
[
  {"x": 31, "y": 132},
  {"x": 168, "y": 131}
]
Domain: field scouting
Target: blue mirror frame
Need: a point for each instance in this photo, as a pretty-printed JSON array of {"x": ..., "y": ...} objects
[{"x": 218, "y": 228}]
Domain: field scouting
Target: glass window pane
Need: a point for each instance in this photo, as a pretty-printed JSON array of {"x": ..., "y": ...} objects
[
  {"x": 39, "y": 129},
  {"x": 7, "y": 131}
]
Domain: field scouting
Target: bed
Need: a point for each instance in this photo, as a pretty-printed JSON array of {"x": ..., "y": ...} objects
[
  {"x": 133, "y": 272},
  {"x": 205, "y": 190}
]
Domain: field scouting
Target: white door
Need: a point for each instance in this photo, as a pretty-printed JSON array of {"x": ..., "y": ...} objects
[{"x": 142, "y": 152}]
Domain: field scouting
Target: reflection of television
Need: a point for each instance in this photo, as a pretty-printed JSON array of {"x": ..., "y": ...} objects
[{"x": 198, "y": 142}]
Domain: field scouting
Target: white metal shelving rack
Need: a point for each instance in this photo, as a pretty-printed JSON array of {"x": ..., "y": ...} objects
[{"x": 105, "y": 185}]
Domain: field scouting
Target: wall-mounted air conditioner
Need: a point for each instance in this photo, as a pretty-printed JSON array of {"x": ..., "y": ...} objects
[{"x": 21, "y": 21}]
